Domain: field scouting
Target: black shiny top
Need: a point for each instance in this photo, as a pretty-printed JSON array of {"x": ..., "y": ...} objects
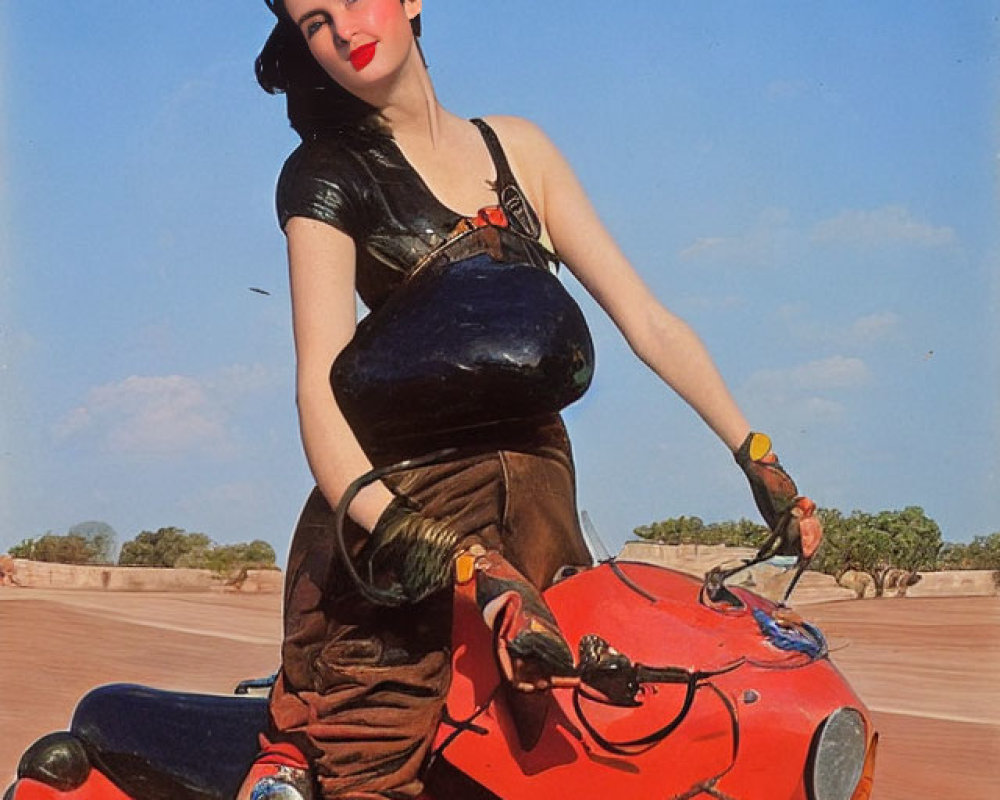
[{"x": 363, "y": 185}]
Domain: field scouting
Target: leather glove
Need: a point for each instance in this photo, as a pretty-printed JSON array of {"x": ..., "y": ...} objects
[
  {"x": 417, "y": 550},
  {"x": 530, "y": 648},
  {"x": 774, "y": 491},
  {"x": 786, "y": 512}
]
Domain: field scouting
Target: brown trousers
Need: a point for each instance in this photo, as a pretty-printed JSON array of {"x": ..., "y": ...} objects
[{"x": 362, "y": 687}]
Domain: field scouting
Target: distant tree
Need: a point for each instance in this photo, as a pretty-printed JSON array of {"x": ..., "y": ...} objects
[
  {"x": 830, "y": 557},
  {"x": 866, "y": 548},
  {"x": 23, "y": 549},
  {"x": 954, "y": 555},
  {"x": 85, "y": 543},
  {"x": 93, "y": 543},
  {"x": 258, "y": 552},
  {"x": 888, "y": 546},
  {"x": 875, "y": 544},
  {"x": 162, "y": 548},
  {"x": 987, "y": 551},
  {"x": 173, "y": 547},
  {"x": 675, "y": 530},
  {"x": 742, "y": 533},
  {"x": 983, "y": 552},
  {"x": 56, "y": 549},
  {"x": 228, "y": 559},
  {"x": 102, "y": 537},
  {"x": 916, "y": 539},
  {"x": 692, "y": 530}
]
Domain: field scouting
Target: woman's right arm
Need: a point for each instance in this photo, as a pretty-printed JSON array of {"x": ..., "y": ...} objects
[{"x": 321, "y": 262}]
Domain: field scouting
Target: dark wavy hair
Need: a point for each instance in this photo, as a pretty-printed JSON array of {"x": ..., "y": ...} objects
[{"x": 316, "y": 103}]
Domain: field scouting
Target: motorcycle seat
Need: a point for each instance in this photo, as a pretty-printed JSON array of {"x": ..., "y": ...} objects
[{"x": 160, "y": 745}]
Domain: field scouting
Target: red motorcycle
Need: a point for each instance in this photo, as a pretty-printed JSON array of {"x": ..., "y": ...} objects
[{"x": 725, "y": 695}]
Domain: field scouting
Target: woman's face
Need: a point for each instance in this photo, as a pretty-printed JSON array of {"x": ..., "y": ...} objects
[{"x": 357, "y": 42}]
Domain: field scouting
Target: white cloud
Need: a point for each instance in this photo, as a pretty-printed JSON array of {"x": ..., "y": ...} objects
[
  {"x": 879, "y": 226},
  {"x": 160, "y": 415},
  {"x": 765, "y": 243},
  {"x": 822, "y": 409},
  {"x": 76, "y": 421},
  {"x": 773, "y": 239},
  {"x": 873, "y": 328},
  {"x": 805, "y": 395},
  {"x": 836, "y": 372},
  {"x": 164, "y": 415},
  {"x": 707, "y": 245},
  {"x": 863, "y": 332}
]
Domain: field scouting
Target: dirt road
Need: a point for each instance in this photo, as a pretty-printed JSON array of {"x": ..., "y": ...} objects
[
  {"x": 928, "y": 668},
  {"x": 930, "y": 671}
]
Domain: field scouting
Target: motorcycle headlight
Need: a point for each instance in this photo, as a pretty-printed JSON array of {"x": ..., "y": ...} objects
[{"x": 837, "y": 757}]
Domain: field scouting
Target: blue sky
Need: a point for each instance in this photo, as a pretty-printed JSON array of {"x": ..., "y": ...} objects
[{"x": 812, "y": 186}]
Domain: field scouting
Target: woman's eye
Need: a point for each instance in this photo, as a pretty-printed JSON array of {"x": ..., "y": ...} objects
[{"x": 314, "y": 26}]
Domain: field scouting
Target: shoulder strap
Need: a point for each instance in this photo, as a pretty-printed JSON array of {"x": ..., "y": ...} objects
[
  {"x": 512, "y": 198},
  {"x": 504, "y": 174}
]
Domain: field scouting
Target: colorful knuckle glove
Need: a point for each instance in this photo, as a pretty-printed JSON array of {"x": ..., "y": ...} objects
[
  {"x": 774, "y": 491},
  {"x": 785, "y": 511},
  {"x": 418, "y": 550}
]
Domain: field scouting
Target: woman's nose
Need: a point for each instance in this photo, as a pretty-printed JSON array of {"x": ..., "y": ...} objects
[{"x": 344, "y": 27}]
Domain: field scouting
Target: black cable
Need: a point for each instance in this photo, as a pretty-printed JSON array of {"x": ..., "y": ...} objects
[
  {"x": 633, "y": 747},
  {"x": 394, "y": 595}
]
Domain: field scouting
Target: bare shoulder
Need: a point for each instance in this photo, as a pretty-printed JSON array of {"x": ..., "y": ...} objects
[
  {"x": 518, "y": 132},
  {"x": 531, "y": 153}
]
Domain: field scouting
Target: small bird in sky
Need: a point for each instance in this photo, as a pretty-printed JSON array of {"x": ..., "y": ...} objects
[{"x": 259, "y": 291}]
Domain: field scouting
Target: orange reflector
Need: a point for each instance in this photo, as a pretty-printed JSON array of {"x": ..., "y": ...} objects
[
  {"x": 760, "y": 446},
  {"x": 465, "y": 567},
  {"x": 867, "y": 782}
]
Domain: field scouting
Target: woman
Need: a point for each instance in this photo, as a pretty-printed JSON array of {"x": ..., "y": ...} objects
[{"x": 386, "y": 178}]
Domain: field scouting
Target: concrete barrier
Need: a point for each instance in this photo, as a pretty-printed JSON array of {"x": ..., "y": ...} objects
[
  {"x": 947, "y": 583},
  {"x": 38, "y": 574},
  {"x": 860, "y": 584},
  {"x": 955, "y": 583},
  {"x": 694, "y": 559},
  {"x": 814, "y": 587},
  {"x": 697, "y": 559},
  {"x": 259, "y": 581}
]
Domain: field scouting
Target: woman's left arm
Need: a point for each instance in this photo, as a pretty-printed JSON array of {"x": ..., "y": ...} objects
[
  {"x": 661, "y": 339},
  {"x": 658, "y": 337}
]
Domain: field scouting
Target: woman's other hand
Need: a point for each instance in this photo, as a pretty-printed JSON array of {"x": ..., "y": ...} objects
[
  {"x": 417, "y": 550},
  {"x": 786, "y": 512}
]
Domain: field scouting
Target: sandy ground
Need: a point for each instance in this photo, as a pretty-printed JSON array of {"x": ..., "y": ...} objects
[{"x": 928, "y": 668}]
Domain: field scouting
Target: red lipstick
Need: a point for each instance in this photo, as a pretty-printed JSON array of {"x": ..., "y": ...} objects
[{"x": 362, "y": 56}]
